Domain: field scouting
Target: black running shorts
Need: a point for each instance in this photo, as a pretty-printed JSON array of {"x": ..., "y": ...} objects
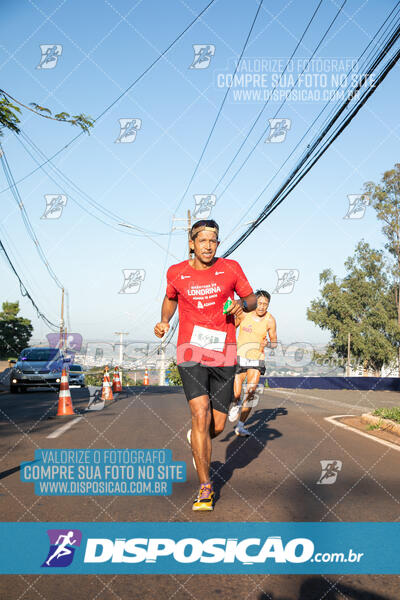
[
  {"x": 244, "y": 365},
  {"x": 215, "y": 382}
]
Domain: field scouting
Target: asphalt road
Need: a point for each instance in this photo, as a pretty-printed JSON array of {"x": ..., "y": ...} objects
[{"x": 271, "y": 476}]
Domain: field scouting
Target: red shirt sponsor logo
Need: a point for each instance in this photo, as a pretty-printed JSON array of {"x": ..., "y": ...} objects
[{"x": 206, "y": 335}]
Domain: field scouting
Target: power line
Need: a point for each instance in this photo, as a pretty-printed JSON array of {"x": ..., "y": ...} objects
[
  {"x": 121, "y": 95},
  {"x": 23, "y": 136},
  {"x": 281, "y": 105},
  {"x": 297, "y": 175},
  {"x": 87, "y": 198},
  {"x": 25, "y": 218},
  {"x": 220, "y": 108},
  {"x": 211, "y": 132},
  {"x": 311, "y": 157},
  {"x": 267, "y": 101},
  {"x": 361, "y": 70},
  {"x": 25, "y": 292}
]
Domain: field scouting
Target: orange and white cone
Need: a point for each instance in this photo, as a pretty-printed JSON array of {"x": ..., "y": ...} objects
[
  {"x": 146, "y": 380},
  {"x": 106, "y": 392},
  {"x": 116, "y": 384},
  {"x": 65, "y": 407}
]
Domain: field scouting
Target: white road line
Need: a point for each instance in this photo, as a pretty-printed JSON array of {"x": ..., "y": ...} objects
[
  {"x": 63, "y": 428},
  {"x": 354, "y": 430},
  {"x": 294, "y": 394}
]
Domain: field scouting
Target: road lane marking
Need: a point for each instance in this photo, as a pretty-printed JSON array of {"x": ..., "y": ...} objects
[
  {"x": 63, "y": 428},
  {"x": 333, "y": 421},
  {"x": 294, "y": 394}
]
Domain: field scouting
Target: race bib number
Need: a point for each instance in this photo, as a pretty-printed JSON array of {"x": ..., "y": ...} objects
[
  {"x": 209, "y": 339},
  {"x": 247, "y": 362}
]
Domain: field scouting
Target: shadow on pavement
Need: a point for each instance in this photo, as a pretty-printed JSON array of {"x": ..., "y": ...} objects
[
  {"x": 241, "y": 451},
  {"x": 316, "y": 588},
  {"x": 154, "y": 389}
]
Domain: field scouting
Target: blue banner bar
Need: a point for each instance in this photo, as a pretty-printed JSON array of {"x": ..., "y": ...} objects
[{"x": 198, "y": 547}]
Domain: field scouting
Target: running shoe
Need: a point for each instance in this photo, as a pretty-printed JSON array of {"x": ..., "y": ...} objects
[
  {"x": 205, "y": 498},
  {"x": 234, "y": 411},
  {"x": 242, "y": 431}
]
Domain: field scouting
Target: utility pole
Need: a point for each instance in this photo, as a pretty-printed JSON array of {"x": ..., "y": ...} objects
[
  {"x": 121, "y": 343},
  {"x": 186, "y": 227},
  {"x": 348, "y": 355},
  {"x": 162, "y": 365},
  {"x": 62, "y": 324},
  {"x": 189, "y": 218}
]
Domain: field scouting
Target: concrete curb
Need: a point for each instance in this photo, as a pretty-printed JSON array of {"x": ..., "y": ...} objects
[
  {"x": 333, "y": 420},
  {"x": 384, "y": 424}
]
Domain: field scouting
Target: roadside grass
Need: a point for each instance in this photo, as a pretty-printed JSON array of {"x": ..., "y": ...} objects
[
  {"x": 374, "y": 427},
  {"x": 388, "y": 413}
]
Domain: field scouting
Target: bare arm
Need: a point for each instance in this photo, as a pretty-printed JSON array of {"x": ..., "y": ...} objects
[
  {"x": 251, "y": 301},
  {"x": 167, "y": 311},
  {"x": 239, "y": 318},
  {"x": 237, "y": 306},
  {"x": 271, "y": 331}
]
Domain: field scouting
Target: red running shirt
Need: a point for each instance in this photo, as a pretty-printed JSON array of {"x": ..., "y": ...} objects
[{"x": 206, "y": 335}]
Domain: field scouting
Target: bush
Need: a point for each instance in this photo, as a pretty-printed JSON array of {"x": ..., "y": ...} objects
[
  {"x": 94, "y": 378},
  {"x": 174, "y": 377}
]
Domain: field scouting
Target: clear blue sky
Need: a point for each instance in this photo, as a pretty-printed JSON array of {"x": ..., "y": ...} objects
[{"x": 105, "y": 46}]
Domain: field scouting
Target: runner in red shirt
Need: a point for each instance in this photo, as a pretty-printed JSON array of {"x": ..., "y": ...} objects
[{"x": 206, "y": 351}]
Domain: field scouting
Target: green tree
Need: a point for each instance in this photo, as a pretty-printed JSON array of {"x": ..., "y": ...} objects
[
  {"x": 15, "y": 332},
  {"x": 10, "y": 112},
  {"x": 360, "y": 304},
  {"x": 174, "y": 376},
  {"x": 385, "y": 199}
]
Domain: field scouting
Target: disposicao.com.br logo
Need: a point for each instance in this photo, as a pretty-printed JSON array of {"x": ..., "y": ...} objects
[
  {"x": 62, "y": 547},
  {"x": 248, "y": 551}
]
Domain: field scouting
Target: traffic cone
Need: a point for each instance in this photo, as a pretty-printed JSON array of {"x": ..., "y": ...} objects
[
  {"x": 65, "y": 407},
  {"x": 146, "y": 380},
  {"x": 116, "y": 384},
  {"x": 106, "y": 392}
]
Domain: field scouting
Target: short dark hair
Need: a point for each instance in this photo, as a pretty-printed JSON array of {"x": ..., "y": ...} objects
[
  {"x": 203, "y": 223},
  {"x": 264, "y": 294}
]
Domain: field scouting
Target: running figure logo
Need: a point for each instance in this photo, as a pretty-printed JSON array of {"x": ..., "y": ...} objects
[
  {"x": 357, "y": 206},
  {"x": 132, "y": 280},
  {"x": 202, "y": 56},
  {"x": 278, "y": 130},
  {"x": 128, "y": 130},
  {"x": 73, "y": 342},
  {"x": 286, "y": 280},
  {"x": 204, "y": 203},
  {"x": 50, "y": 55},
  {"x": 54, "y": 206},
  {"x": 252, "y": 402},
  {"x": 330, "y": 470},
  {"x": 63, "y": 543}
]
